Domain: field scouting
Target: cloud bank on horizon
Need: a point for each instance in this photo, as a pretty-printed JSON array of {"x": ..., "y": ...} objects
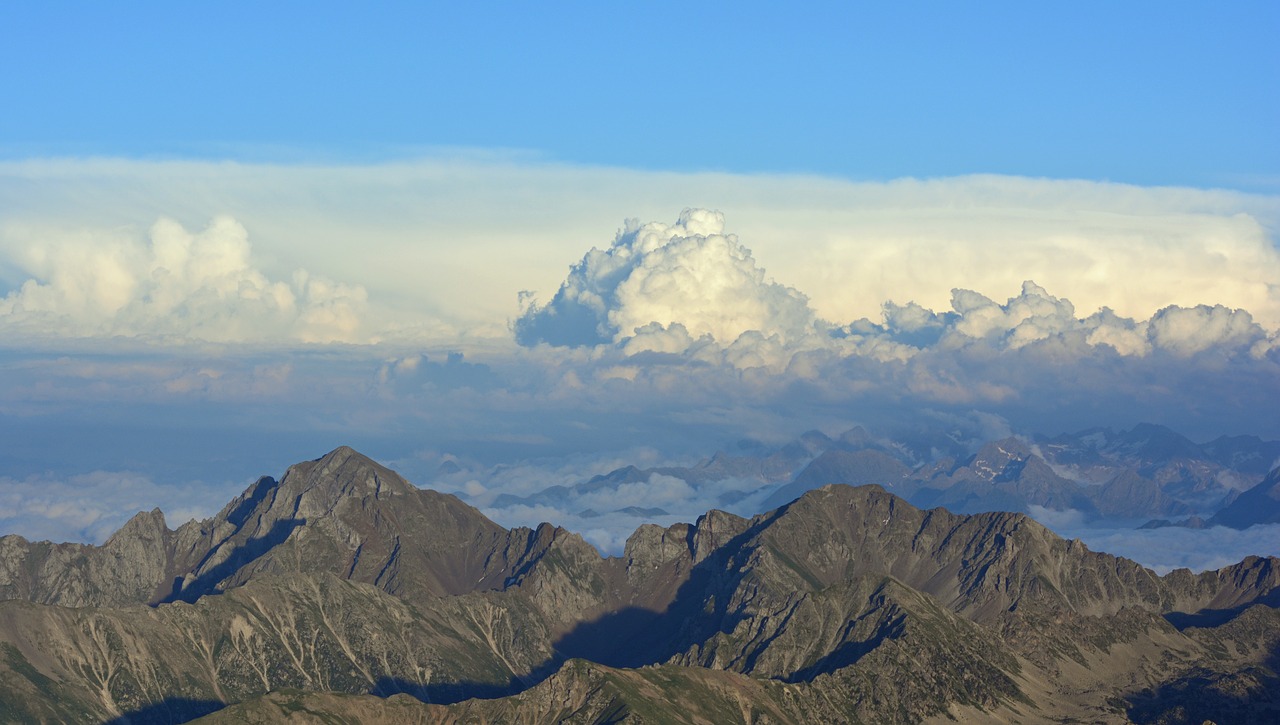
[
  {"x": 443, "y": 247},
  {"x": 685, "y": 287},
  {"x": 1052, "y": 304},
  {"x": 174, "y": 285},
  {"x": 977, "y": 305}
]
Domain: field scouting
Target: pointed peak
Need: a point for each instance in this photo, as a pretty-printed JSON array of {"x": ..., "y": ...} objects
[
  {"x": 835, "y": 497},
  {"x": 346, "y": 457},
  {"x": 341, "y": 454},
  {"x": 346, "y": 465},
  {"x": 143, "y": 524},
  {"x": 341, "y": 473}
]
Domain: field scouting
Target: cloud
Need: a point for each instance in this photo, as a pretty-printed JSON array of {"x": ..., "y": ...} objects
[
  {"x": 810, "y": 303},
  {"x": 89, "y": 507},
  {"x": 691, "y": 291},
  {"x": 1186, "y": 331},
  {"x": 174, "y": 285},
  {"x": 689, "y": 275},
  {"x": 1035, "y": 316},
  {"x": 1032, "y": 361},
  {"x": 1173, "y": 547},
  {"x": 607, "y": 516},
  {"x": 1031, "y": 316},
  {"x": 456, "y": 237}
]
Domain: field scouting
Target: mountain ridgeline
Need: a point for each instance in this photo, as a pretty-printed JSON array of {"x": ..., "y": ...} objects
[
  {"x": 343, "y": 592},
  {"x": 1149, "y": 473}
]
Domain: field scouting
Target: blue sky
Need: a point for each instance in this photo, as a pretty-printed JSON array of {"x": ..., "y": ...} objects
[
  {"x": 233, "y": 237},
  {"x": 1144, "y": 92}
]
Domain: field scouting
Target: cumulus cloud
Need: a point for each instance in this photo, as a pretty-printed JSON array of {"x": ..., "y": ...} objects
[
  {"x": 691, "y": 291},
  {"x": 457, "y": 237},
  {"x": 1036, "y": 316},
  {"x": 174, "y": 284},
  {"x": 1012, "y": 299},
  {"x": 1031, "y": 316},
  {"x": 1186, "y": 331},
  {"x": 689, "y": 275}
]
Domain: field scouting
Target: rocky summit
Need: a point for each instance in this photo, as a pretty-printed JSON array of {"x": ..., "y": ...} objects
[{"x": 342, "y": 593}]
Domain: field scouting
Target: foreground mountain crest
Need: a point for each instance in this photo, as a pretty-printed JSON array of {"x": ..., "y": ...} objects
[{"x": 845, "y": 605}]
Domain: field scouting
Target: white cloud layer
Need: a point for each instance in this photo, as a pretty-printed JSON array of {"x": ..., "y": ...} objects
[
  {"x": 444, "y": 245},
  {"x": 607, "y": 516},
  {"x": 1174, "y": 547},
  {"x": 172, "y": 285},
  {"x": 690, "y": 290},
  {"x": 1030, "y": 304},
  {"x": 89, "y": 507}
]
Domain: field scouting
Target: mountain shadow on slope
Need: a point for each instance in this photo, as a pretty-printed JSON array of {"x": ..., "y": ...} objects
[
  {"x": 1207, "y": 696},
  {"x": 848, "y": 653},
  {"x": 448, "y": 693},
  {"x": 636, "y": 636},
  {"x": 1220, "y": 616},
  {"x": 170, "y": 711},
  {"x": 207, "y": 582}
]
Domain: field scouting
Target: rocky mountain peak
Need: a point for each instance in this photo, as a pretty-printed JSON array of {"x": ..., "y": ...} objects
[
  {"x": 651, "y": 546},
  {"x": 1153, "y": 442},
  {"x": 996, "y": 458},
  {"x": 396, "y": 589},
  {"x": 345, "y": 472},
  {"x": 714, "y": 529},
  {"x": 147, "y": 525},
  {"x": 316, "y": 489}
]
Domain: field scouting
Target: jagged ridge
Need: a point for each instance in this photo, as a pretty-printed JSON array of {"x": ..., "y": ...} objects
[{"x": 847, "y": 593}]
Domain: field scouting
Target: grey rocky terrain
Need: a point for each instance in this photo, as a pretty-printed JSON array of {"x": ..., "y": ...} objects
[{"x": 343, "y": 593}]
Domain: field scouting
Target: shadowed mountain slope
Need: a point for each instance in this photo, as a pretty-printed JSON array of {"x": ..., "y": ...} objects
[
  {"x": 1258, "y": 505},
  {"x": 342, "y": 513},
  {"x": 847, "y": 604}
]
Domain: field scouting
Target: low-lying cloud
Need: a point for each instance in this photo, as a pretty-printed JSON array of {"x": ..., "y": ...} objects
[
  {"x": 89, "y": 507},
  {"x": 1174, "y": 547}
]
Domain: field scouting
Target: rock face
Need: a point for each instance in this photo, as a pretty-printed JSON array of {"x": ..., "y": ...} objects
[
  {"x": 855, "y": 468},
  {"x": 1258, "y": 505},
  {"x": 846, "y": 605},
  {"x": 343, "y": 514},
  {"x": 130, "y": 567},
  {"x": 1129, "y": 494}
]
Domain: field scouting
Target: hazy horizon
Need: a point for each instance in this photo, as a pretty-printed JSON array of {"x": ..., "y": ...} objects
[{"x": 541, "y": 244}]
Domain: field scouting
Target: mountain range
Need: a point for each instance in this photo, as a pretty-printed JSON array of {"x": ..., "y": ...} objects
[
  {"x": 1147, "y": 473},
  {"x": 343, "y": 593}
]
